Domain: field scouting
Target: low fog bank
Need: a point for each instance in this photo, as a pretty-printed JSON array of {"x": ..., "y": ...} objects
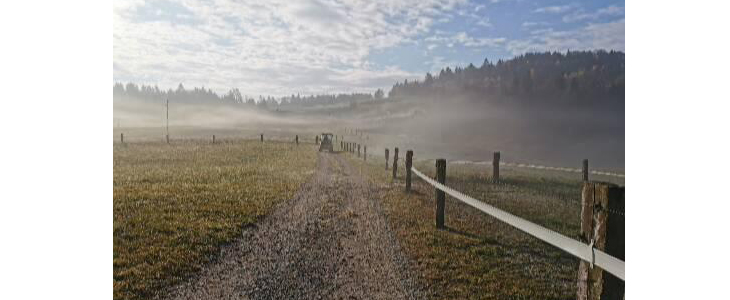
[
  {"x": 454, "y": 129},
  {"x": 137, "y": 113},
  {"x": 536, "y": 134}
]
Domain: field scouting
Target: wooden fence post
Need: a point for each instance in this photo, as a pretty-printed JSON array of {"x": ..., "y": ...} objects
[
  {"x": 262, "y": 137},
  {"x": 122, "y": 136},
  {"x": 358, "y": 150},
  {"x": 440, "y": 195},
  {"x": 409, "y": 163},
  {"x": 214, "y": 139},
  {"x": 316, "y": 140},
  {"x": 585, "y": 170},
  {"x": 395, "y": 162},
  {"x": 167, "y": 138},
  {"x": 365, "y": 153},
  {"x": 602, "y": 222},
  {"x": 386, "y": 158},
  {"x": 495, "y": 167},
  {"x": 296, "y": 139}
]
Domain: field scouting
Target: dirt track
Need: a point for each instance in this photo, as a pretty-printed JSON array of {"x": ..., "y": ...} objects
[{"x": 331, "y": 241}]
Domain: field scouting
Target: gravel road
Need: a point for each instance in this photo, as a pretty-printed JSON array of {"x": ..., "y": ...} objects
[{"x": 331, "y": 241}]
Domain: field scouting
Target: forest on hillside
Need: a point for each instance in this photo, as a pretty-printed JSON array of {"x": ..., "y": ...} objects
[
  {"x": 572, "y": 78},
  {"x": 202, "y": 95}
]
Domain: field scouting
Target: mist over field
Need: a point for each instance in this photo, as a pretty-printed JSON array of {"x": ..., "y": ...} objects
[{"x": 455, "y": 130}]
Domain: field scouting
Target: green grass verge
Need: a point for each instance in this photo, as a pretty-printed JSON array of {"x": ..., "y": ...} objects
[{"x": 175, "y": 205}]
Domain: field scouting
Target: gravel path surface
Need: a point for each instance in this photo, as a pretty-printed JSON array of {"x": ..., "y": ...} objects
[{"x": 331, "y": 241}]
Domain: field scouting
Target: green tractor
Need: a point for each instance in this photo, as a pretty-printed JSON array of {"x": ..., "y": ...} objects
[{"x": 326, "y": 142}]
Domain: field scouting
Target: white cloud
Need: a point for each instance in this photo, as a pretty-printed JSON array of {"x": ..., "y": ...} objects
[
  {"x": 464, "y": 39},
  {"x": 484, "y": 23},
  {"x": 581, "y": 15},
  {"x": 554, "y": 9},
  {"x": 275, "y": 47},
  {"x": 280, "y": 47},
  {"x": 608, "y": 36},
  {"x": 533, "y": 24}
]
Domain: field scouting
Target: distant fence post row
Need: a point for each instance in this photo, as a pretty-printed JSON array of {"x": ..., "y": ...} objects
[{"x": 213, "y": 140}]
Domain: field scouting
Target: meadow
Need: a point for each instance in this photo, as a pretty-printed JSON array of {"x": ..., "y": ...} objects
[
  {"x": 477, "y": 256},
  {"x": 176, "y": 204}
]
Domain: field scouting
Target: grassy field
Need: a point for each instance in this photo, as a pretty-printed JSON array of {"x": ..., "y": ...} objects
[
  {"x": 176, "y": 204},
  {"x": 478, "y": 257}
]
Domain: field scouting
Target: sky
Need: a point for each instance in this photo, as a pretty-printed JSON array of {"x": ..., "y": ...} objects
[{"x": 306, "y": 47}]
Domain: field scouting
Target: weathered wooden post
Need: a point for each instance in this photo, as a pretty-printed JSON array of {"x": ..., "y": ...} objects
[
  {"x": 262, "y": 137},
  {"x": 214, "y": 139},
  {"x": 395, "y": 162},
  {"x": 341, "y": 143},
  {"x": 167, "y": 138},
  {"x": 409, "y": 163},
  {"x": 495, "y": 167},
  {"x": 386, "y": 158},
  {"x": 440, "y": 195},
  {"x": 296, "y": 139},
  {"x": 602, "y": 222},
  {"x": 585, "y": 170},
  {"x": 358, "y": 150},
  {"x": 316, "y": 140},
  {"x": 122, "y": 137}
]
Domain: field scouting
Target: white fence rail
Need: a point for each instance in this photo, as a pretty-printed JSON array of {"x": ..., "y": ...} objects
[
  {"x": 534, "y": 166},
  {"x": 583, "y": 251}
]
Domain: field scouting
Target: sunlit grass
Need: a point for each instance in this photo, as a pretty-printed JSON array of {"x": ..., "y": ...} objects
[
  {"x": 175, "y": 205},
  {"x": 477, "y": 256}
]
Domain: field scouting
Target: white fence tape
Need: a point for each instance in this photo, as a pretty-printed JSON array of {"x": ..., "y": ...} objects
[
  {"x": 583, "y": 251},
  {"x": 533, "y": 166}
]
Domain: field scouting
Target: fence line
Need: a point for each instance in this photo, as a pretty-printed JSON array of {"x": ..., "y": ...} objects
[
  {"x": 581, "y": 250},
  {"x": 534, "y": 166}
]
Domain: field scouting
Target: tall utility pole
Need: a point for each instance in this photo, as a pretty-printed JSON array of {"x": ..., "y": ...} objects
[{"x": 167, "y": 120}]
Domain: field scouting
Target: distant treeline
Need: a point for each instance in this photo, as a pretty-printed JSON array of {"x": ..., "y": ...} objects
[
  {"x": 572, "y": 78},
  {"x": 233, "y": 96}
]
